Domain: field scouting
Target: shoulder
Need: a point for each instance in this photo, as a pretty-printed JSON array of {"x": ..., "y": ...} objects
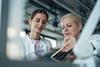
[
  {"x": 24, "y": 37},
  {"x": 95, "y": 39},
  {"x": 24, "y": 42}
]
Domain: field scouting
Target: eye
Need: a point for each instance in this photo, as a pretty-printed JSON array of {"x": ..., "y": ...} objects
[
  {"x": 44, "y": 21},
  {"x": 37, "y": 20},
  {"x": 69, "y": 25}
]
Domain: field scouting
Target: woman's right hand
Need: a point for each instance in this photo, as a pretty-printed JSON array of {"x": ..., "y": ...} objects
[{"x": 69, "y": 43}]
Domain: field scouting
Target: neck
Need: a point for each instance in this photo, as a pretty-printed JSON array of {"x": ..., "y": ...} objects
[{"x": 34, "y": 36}]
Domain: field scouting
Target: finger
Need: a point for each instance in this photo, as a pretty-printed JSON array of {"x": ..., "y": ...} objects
[
  {"x": 66, "y": 43},
  {"x": 70, "y": 42},
  {"x": 68, "y": 47}
]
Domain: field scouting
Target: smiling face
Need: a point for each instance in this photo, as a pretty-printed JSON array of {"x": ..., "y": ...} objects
[
  {"x": 38, "y": 22},
  {"x": 71, "y": 27}
]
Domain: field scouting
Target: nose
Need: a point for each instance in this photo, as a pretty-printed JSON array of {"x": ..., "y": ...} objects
[
  {"x": 40, "y": 23},
  {"x": 65, "y": 29}
]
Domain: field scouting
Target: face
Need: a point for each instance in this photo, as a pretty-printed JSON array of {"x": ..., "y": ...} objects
[
  {"x": 70, "y": 27},
  {"x": 38, "y": 23}
]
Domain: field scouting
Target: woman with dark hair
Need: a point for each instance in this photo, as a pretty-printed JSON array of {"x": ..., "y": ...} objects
[{"x": 36, "y": 47}]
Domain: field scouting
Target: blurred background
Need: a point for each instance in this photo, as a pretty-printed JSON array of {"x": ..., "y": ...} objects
[
  {"x": 21, "y": 11},
  {"x": 14, "y": 15}
]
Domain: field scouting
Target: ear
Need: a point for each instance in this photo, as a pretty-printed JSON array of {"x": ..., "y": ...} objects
[
  {"x": 80, "y": 27},
  {"x": 29, "y": 21}
]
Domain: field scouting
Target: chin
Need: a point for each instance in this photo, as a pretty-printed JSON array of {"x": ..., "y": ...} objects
[{"x": 38, "y": 31}]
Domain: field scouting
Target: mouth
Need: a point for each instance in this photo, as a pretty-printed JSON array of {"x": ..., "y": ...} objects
[
  {"x": 67, "y": 34},
  {"x": 39, "y": 28}
]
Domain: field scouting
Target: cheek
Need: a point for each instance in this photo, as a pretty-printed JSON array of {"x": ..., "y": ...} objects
[
  {"x": 32, "y": 26},
  {"x": 43, "y": 26},
  {"x": 76, "y": 31}
]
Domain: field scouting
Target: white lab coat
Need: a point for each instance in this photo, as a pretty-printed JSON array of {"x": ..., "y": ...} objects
[
  {"x": 95, "y": 58},
  {"x": 29, "y": 48},
  {"x": 95, "y": 41}
]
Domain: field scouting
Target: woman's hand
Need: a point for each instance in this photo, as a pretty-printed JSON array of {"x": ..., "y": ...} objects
[
  {"x": 69, "y": 43},
  {"x": 70, "y": 57}
]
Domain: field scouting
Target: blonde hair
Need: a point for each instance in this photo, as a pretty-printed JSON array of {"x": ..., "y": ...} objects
[{"x": 77, "y": 19}]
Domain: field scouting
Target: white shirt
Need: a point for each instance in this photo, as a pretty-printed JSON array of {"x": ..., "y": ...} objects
[
  {"x": 95, "y": 41},
  {"x": 33, "y": 49},
  {"x": 92, "y": 60}
]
